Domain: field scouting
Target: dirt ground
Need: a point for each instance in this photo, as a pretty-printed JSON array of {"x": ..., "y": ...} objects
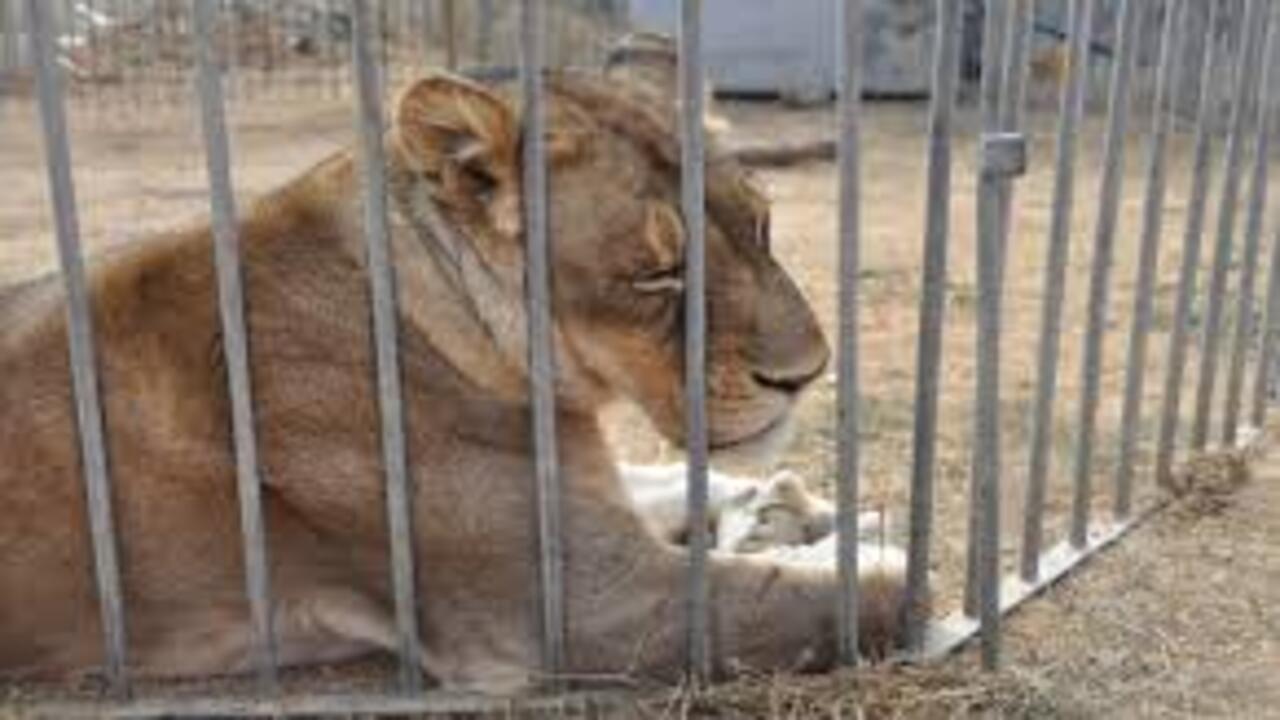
[{"x": 1165, "y": 619}]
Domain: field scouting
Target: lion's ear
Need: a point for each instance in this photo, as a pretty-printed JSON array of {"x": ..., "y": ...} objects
[{"x": 445, "y": 123}]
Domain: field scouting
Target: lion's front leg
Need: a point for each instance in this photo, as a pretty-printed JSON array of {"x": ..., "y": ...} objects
[{"x": 634, "y": 619}]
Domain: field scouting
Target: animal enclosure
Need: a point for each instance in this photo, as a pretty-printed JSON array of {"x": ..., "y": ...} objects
[{"x": 1024, "y": 357}]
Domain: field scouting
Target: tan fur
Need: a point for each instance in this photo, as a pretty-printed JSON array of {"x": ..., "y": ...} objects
[{"x": 458, "y": 248}]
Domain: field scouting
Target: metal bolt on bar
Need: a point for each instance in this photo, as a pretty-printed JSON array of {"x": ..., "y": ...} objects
[
  {"x": 1252, "y": 235},
  {"x": 692, "y": 195},
  {"x": 1071, "y": 110},
  {"x": 80, "y": 340},
  {"x": 1262, "y": 376},
  {"x": 1013, "y": 99},
  {"x": 849, "y": 49},
  {"x": 982, "y": 591},
  {"x": 1164, "y": 110},
  {"x": 1246, "y": 66},
  {"x": 1191, "y": 249},
  {"x": 932, "y": 298},
  {"x": 1100, "y": 272},
  {"x": 382, "y": 290},
  {"x": 235, "y": 340},
  {"x": 541, "y": 359}
]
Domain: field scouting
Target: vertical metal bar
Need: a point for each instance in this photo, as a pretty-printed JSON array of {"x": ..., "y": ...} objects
[
  {"x": 1100, "y": 271},
  {"x": 1048, "y": 350},
  {"x": 1262, "y": 376},
  {"x": 692, "y": 193},
  {"x": 10, "y": 25},
  {"x": 382, "y": 291},
  {"x": 332, "y": 45},
  {"x": 541, "y": 358},
  {"x": 84, "y": 377},
  {"x": 1165, "y": 109},
  {"x": 1021, "y": 24},
  {"x": 384, "y": 43},
  {"x": 155, "y": 72},
  {"x": 231, "y": 47},
  {"x": 1191, "y": 249},
  {"x": 1002, "y": 110},
  {"x": 932, "y": 298},
  {"x": 234, "y": 339},
  {"x": 982, "y": 587},
  {"x": 1246, "y": 64},
  {"x": 1252, "y": 236},
  {"x": 88, "y": 11},
  {"x": 450, "y": 35},
  {"x": 849, "y": 66},
  {"x": 485, "y": 18},
  {"x": 1014, "y": 69}
]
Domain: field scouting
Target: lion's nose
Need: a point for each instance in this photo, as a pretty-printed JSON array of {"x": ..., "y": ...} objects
[{"x": 787, "y": 383}]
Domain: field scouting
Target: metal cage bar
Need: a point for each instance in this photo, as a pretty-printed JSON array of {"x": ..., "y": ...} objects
[
  {"x": 982, "y": 591},
  {"x": 84, "y": 375},
  {"x": 541, "y": 359},
  {"x": 449, "y": 20},
  {"x": 1164, "y": 109},
  {"x": 849, "y": 65},
  {"x": 1192, "y": 242},
  {"x": 485, "y": 19},
  {"x": 1100, "y": 271},
  {"x": 235, "y": 343},
  {"x": 1001, "y": 120},
  {"x": 932, "y": 299},
  {"x": 1244, "y": 327},
  {"x": 693, "y": 207},
  {"x": 10, "y": 23},
  {"x": 1049, "y": 345},
  {"x": 382, "y": 294},
  {"x": 1246, "y": 66},
  {"x": 1263, "y": 376}
]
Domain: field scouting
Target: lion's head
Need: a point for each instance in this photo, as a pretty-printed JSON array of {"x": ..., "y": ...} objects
[{"x": 617, "y": 247}]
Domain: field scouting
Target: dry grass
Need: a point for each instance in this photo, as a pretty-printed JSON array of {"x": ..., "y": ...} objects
[{"x": 873, "y": 694}]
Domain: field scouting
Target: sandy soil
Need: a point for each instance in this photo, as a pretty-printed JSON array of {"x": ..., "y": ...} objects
[
  {"x": 1180, "y": 620},
  {"x": 140, "y": 168}
]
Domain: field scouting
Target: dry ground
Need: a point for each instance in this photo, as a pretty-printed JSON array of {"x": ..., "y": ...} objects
[{"x": 140, "y": 169}]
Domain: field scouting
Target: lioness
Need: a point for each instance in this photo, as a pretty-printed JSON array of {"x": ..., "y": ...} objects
[{"x": 454, "y": 167}]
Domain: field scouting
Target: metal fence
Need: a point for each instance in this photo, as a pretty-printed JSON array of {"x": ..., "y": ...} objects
[{"x": 218, "y": 40}]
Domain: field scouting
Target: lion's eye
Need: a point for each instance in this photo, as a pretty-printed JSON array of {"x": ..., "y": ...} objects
[{"x": 670, "y": 280}]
